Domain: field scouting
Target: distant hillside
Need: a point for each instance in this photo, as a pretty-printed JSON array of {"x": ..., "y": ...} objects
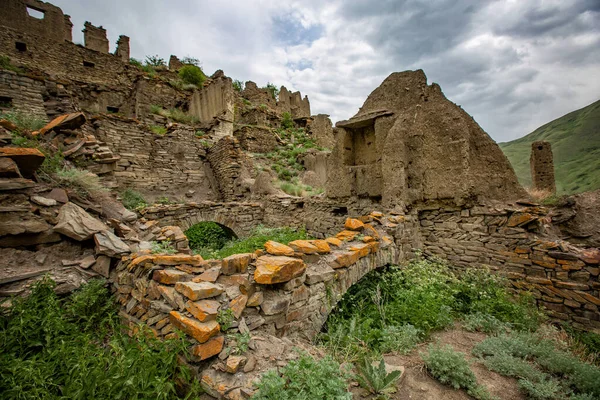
[{"x": 575, "y": 139}]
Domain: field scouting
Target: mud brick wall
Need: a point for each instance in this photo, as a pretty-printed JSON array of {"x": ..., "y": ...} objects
[
  {"x": 23, "y": 94},
  {"x": 170, "y": 164},
  {"x": 562, "y": 278}
]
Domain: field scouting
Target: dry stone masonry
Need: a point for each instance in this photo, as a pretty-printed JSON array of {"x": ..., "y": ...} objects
[{"x": 542, "y": 167}]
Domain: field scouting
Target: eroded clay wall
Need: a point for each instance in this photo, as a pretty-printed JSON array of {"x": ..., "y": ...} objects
[
  {"x": 215, "y": 101},
  {"x": 563, "y": 279}
]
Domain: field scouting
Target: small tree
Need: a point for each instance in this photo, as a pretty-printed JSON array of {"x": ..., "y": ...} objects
[
  {"x": 155, "y": 61},
  {"x": 192, "y": 74},
  {"x": 272, "y": 89},
  {"x": 238, "y": 85},
  {"x": 190, "y": 61}
]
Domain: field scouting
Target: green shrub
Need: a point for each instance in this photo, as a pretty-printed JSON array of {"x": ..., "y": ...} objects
[
  {"x": 286, "y": 120},
  {"x": 238, "y": 343},
  {"x": 158, "y": 129},
  {"x": 164, "y": 247},
  {"x": 259, "y": 237},
  {"x": 272, "y": 89},
  {"x": 208, "y": 235},
  {"x": 6, "y": 64},
  {"x": 154, "y": 109},
  {"x": 155, "y": 61},
  {"x": 225, "y": 318},
  {"x": 238, "y": 85},
  {"x": 133, "y": 200},
  {"x": 302, "y": 379},
  {"x": 135, "y": 62},
  {"x": 83, "y": 182},
  {"x": 192, "y": 74},
  {"x": 178, "y": 115},
  {"x": 290, "y": 188},
  {"x": 190, "y": 61},
  {"x": 451, "y": 368},
  {"x": 401, "y": 339},
  {"x": 75, "y": 348},
  {"x": 376, "y": 379},
  {"x": 544, "y": 390},
  {"x": 481, "y": 322}
]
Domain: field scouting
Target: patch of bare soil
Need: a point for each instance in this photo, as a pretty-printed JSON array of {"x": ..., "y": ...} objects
[{"x": 419, "y": 385}]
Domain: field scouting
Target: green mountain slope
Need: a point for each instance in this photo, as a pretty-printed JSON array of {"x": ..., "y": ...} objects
[{"x": 575, "y": 140}]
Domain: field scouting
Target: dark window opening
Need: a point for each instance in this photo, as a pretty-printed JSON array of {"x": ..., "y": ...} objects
[
  {"x": 89, "y": 64},
  {"x": 340, "y": 211},
  {"x": 35, "y": 13},
  {"x": 540, "y": 147},
  {"x": 112, "y": 109},
  {"x": 5, "y": 102},
  {"x": 20, "y": 46},
  {"x": 300, "y": 205}
]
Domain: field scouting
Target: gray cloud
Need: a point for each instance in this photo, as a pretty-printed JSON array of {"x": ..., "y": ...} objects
[{"x": 513, "y": 65}]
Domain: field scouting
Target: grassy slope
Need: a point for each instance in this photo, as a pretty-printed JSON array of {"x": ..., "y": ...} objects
[{"x": 575, "y": 139}]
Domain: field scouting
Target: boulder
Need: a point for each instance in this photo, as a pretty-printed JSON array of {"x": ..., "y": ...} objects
[
  {"x": 18, "y": 223},
  {"x": 59, "y": 195},
  {"x": 198, "y": 290},
  {"x": 76, "y": 223},
  {"x": 27, "y": 159},
  {"x": 102, "y": 266},
  {"x": 304, "y": 246},
  {"x": 8, "y": 168},
  {"x": 277, "y": 269},
  {"x": 235, "y": 264},
  {"x": 278, "y": 249},
  {"x": 109, "y": 244},
  {"x": 65, "y": 121},
  {"x": 353, "y": 224},
  {"x": 209, "y": 349}
]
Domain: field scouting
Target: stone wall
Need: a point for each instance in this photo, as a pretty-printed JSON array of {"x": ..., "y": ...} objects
[
  {"x": 23, "y": 94},
  {"x": 160, "y": 165},
  {"x": 94, "y": 38},
  {"x": 122, "y": 50},
  {"x": 562, "y": 278},
  {"x": 215, "y": 101},
  {"x": 293, "y": 103},
  {"x": 321, "y": 129},
  {"x": 226, "y": 159},
  {"x": 256, "y": 139},
  {"x": 53, "y": 26}
]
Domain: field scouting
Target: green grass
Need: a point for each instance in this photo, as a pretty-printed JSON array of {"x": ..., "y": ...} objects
[
  {"x": 255, "y": 241},
  {"x": 6, "y": 64},
  {"x": 158, "y": 129},
  {"x": 132, "y": 199},
  {"x": 426, "y": 295},
  {"x": 74, "y": 348},
  {"x": 575, "y": 143},
  {"x": 24, "y": 122}
]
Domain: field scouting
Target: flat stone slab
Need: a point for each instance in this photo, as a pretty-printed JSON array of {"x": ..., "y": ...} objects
[
  {"x": 277, "y": 269},
  {"x": 76, "y": 223},
  {"x": 27, "y": 159}
]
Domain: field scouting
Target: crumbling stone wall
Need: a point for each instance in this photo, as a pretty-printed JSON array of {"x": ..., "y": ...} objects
[
  {"x": 562, "y": 278},
  {"x": 22, "y": 94},
  {"x": 215, "y": 101},
  {"x": 94, "y": 38},
  {"x": 293, "y": 103},
  {"x": 226, "y": 159},
  {"x": 123, "y": 48},
  {"x": 408, "y": 143},
  {"x": 256, "y": 139},
  {"x": 153, "y": 164},
  {"x": 174, "y": 63},
  {"x": 54, "y": 26},
  {"x": 542, "y": 167},
  {"x": 321, "y": 129}
]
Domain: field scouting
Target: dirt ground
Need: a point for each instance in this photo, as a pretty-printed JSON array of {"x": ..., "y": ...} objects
[{"x": 419, "y": 385}]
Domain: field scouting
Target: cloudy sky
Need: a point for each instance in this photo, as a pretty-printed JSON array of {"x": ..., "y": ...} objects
[{"x": 512, "y": 64}]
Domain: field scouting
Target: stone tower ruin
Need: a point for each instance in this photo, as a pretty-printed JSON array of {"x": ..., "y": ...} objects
[{"x": 542, "y": 167}]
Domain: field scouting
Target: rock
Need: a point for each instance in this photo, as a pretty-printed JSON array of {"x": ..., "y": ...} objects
[
  {"x": 163, "y": 259},
  {"x": 197, "y": 291},
  {"x": 303, "y": 246},
  {"x": 234, "y": 363},
  {"x": 43, "y": 201},
  {"x": 27, "y": 159},
  {"x": 59, "y": 195},
  {"x": 170, "y": 276},
  {"x": 520, "y": 219},
  {"x": 110, "y": 245},
  {"x": 30, "y": 239},
  {"x": 321, "y": 245},
  {"x": 238, "y": 305},
  {"x": 87, "y": 262},
  {"x": 65, "y": 121},
  {"x": 275, "y": 303},
  {"x": 334, "y": 241},
  {"x": 201, "y": 331},
  {"x": 102, "y": 266},
  {"x": 236, "y": 264},
  {"x": 203, "y": 310},
  {"x": 9, "y": 169},
  {"x": 345, "y": 259},
  {"x": 255, "y": 300},
  {"x": 210, "y": 275},
  {"x": 18, "y": 223},
  {"x": 346, "y": 235},
  {"x": 353, "y": 224},
  {"x": 76, "y": 223},
  {"x": 277, "y": 269},
  {"x": 262, "y": 184},
  {"x": 250, "y": 364},
  {"x": 278, "y": 249},
  {"x": 15, "y": 183},
  {"x": 209, "y": 349}
]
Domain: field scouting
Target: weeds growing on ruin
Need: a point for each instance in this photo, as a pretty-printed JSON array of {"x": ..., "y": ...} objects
[
  {"x": 238, "y": 85},
  {"x": 376, "y": 379},
  {"x": 133, "y": 200},
  {"x": 174, "y": 114},
  {"x": 192, "y": 75},
  {"x": 74, "y": 348},
  {"x": 158, "y": 129},
  {"x": 164, "y": 247},
  {"x": 81, "y": 181},
  {"x": 24, "y": 122},
  {"x": 272, "y": 89},
  {"x": 7, "y": 65},
  {"x": 305, "y": 378}
]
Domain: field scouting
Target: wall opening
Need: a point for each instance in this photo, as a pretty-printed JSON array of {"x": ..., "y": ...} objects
[
  {"x": 209, "y": 236},
  {"x": 112, "y": 109},
  {"x": 35, "y": 13},
  {"x": 6, "y": 102},
  {"x": 359, "y": 146},
  {"x": 339, "y": 211},
  {"x": 89, "y": 64},
  {"x": 20, "y": 46}
]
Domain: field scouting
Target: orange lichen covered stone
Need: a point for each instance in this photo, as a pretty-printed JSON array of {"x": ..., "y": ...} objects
[
  {"x": 519, "y": 219},
  {"x": 234, "y": 363},
  {"x": 277, "y": 269},
  {"x": 255, "y": 300},
  {"x": 170, "y": 276},
  {"x": 238, "y": 304},
  {"x": 362, "y": 249},
  {"x": 344, "y": 259},
  {"x": 204, "y": 310},
  {"x": 334, "y": 241},
  {"x": 321, "y": 245},
  {"x": 201, "y": 331},
  {"x": 346, "y": 236},
  {"x": 236, "y": 264},
  {"x": 368, "y": 239},
  {"x": 28, "y": 160},
  {"x": 198, "y": 290},
  {"x": 163, "y": 259},
  {"x": 65, "y": 121},
  {"x": 370, "y": 231},
  {"x": 210, "y": 275},
  {"x": 209, "y": 349},
  {"x": 353, "y": 224},
  {"x": 278, "y": 249},
  {"x": 304, "y": 247}
]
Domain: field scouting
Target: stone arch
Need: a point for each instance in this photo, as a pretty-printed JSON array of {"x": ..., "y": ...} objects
[{"x": 221, "y": 217}]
